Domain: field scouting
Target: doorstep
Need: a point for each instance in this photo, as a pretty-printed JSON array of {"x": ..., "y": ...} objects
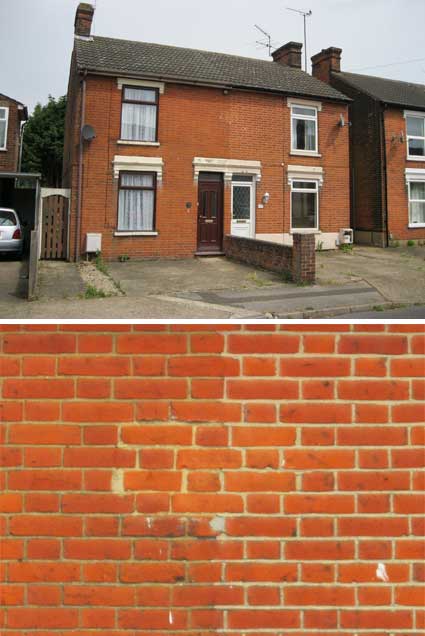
[{"x": 206, "y": 254}]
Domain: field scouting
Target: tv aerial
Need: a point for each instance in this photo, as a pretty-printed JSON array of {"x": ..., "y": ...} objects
[
  {"x": 268, "y": 44},
  {"x": 305, "y": 14}
]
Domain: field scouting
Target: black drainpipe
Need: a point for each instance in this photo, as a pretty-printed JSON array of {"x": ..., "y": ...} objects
[{"x": 385, "y": 175}]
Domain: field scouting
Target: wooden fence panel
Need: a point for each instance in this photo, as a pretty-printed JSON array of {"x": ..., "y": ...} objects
[{"x": 54, "y": 227}]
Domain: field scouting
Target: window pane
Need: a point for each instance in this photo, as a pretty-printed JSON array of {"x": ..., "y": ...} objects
[
  {"x": 416, "y": 126},
  {"x": 241, "y": 203},
  {"x": 7, "y": 218},
  {"x": 304, "y": 134},
  {"x": 140, "y": 95},
  {"x": 137, "y": 180},
  {"x": 304, "y": 185},
  {"x": 135, "y": 212},
  {"x": 417, "y": 212},
  {"x": 237, "y": 177},
  {"x": 417, "y": 147},
  {"x": 213, "y": 204},
  {"x": 2, "y": 113},
  {"x": 417, "y": 191},
  {"x": 304, "y": 210},
  {"x": 308, "y": 112},
  {"x": 138, "y": 122},
  {"x": 2, "y": 133}
]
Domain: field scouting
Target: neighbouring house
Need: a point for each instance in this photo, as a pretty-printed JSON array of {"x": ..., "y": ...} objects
[
  {"x": 12, "y": 116},
  {"x": 17, "y": 190},
  {"x": 168, "y": 149},
  {"x": 387, "y": 151}
]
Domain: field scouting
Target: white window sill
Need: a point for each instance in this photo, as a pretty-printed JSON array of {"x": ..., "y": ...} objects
[
  {"x": 305, "y": 231},
  {"x": 3, "y": 149},
  {"x": 416, "y": 226},
  {"x": 124, "y": 142},
  {"x": 415, "y": 158},
  {"x": 118, "y": 233},
  {"x": 303, "y": 153}
]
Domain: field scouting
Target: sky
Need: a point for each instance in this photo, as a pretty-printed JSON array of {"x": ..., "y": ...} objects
[{"x": 36, "y": 36}]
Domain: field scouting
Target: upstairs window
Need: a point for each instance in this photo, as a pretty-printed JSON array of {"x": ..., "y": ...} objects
[
  {"x": 4, "y": 116},
  {"x": 415, "y": 136},
  {"x": 139, "y": 118},
  {"x": 304, "y": 129}
]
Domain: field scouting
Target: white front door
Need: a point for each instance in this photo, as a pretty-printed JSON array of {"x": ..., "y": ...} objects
[{"x": 243, "y": 207}]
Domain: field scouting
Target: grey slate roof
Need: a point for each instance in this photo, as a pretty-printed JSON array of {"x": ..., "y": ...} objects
[
  {"x": 125, "y": 57},
  {"x": 386, "y": 90}
]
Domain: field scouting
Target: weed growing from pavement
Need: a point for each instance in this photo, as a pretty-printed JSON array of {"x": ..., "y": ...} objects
[{"x": 94, "y": 292}]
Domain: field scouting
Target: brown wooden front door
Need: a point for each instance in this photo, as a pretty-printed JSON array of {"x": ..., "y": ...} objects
[
  {"x": 54, "y": 227},
  {"x": 210, "y": 213}
]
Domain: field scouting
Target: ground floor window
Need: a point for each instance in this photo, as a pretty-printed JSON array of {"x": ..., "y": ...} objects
[
  {"x": 305, "y": 205},
  {"x": 417, "y": 203},
  {"x": 136, "y": 202}
]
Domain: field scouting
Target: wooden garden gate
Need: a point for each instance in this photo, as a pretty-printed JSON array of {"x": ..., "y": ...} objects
[{"x": 54, "y": 226}]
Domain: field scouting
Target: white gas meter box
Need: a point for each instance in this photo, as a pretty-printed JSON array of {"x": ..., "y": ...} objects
[
  {"x": 93, "y": 243},
  {"x": 346, "y": 237}
]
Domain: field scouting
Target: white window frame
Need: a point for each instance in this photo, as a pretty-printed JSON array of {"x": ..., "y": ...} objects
[
  {"x": 141, "y": 142},
  {"x": 6, "y": 119},
  {"x": 317, "y": 107},
  {"x": 409, "y": 183},
  {"x": 417, "y": 115},
  {"x": 248, "y": 183},
  {"x": 316, "y": 184}
]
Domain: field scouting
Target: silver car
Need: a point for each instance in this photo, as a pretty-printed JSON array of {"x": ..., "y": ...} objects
[{"x": 11, "y": 232}]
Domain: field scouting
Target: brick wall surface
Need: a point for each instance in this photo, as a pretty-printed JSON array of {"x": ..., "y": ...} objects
[{"x": 198, "y": 480}]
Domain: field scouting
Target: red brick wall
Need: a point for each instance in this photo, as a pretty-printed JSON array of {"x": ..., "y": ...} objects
[
  {"x": 398, "y": 198},
  {"x": 9, "y": 158},
  {"x": 203, "y": 122},
  {"x": 200, "y": 480}
]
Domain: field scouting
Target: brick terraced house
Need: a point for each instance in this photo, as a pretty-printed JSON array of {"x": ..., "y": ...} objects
[
  {"x": 180, "y": 147},
  {"x": 387, "y": 152}
]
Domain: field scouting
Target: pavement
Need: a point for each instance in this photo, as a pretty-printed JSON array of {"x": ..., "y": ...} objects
[
  {"x": 405, "y": 313},
  {"x": 368, "y": 281}
]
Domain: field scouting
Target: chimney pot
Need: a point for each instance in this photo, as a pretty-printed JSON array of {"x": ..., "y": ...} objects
[
  {"x": 83, "y": 19},
  {"x": 326, "y": 62},
  {"x": 289, "y": 54}
]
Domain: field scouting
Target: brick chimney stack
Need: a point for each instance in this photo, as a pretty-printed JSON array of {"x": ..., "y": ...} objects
[
  {"x": 326, "y": 62},
  {"x": 289, "y": 54},
  {"x": 84, "y": 19}
]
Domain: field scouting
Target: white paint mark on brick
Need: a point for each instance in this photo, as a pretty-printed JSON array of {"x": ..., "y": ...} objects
[
  {"x": 117, "y": 481},
  {"x": 170, "y": 617},
  {"x": 381, "y": 573},
  {"x": 217, "y": 524}
]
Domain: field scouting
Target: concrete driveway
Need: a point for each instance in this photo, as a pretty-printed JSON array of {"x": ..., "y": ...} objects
[
  {"x": 13, "y": 279},
  {"x": 398, "y": 274},
  {"x": 165, "y": 277}
]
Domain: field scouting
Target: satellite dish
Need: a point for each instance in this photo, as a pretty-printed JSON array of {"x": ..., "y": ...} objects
[{"x": 88, "y": 133}]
